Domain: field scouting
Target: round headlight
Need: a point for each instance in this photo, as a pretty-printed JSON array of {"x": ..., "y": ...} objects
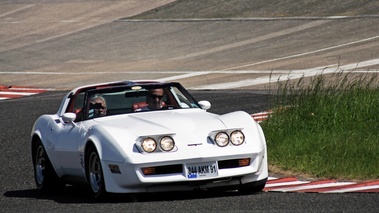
[
  {"x": 167, "y": 143},
  {"x": 222, "y": 139},
  {"x": 149, "y": 145},
  {"x": 237, "y": 137}
]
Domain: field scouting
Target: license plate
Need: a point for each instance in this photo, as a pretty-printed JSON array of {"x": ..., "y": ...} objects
[{"x": 201, "y": 170}]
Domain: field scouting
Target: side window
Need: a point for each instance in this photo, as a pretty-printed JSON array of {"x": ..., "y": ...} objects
[
  {"x": 181, "y": 98},
  {"x": 78, "y": 106}
]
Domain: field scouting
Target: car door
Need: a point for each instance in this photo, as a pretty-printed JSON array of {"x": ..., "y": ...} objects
[{"x": 66, "y": 140}]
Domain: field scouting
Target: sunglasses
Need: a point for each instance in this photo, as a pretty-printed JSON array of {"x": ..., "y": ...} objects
[
  {"x": 97, "y": 106},
  {"x": 156, "y": 96}
]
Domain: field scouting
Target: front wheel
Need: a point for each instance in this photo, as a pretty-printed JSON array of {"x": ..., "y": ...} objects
[
  {"x": 46, "y": 179},
  {"x": 95, "y": 174}
]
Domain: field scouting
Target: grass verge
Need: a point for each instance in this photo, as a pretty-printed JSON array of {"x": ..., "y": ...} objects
[{"x": 326, "y": 127}]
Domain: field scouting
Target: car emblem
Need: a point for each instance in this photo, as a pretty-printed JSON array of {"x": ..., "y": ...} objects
[{"x": 195, "y": 144}]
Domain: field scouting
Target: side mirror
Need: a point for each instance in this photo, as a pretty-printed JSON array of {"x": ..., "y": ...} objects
[
  {"x": 69, "y": 117},
  {"x": 205, "y": 105}
]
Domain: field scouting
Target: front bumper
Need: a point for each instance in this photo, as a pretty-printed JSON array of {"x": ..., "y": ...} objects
[{"x": 175, "y": 175}]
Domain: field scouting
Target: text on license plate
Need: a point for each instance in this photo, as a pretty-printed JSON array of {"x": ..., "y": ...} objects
[{"x": 201, "y": 170}]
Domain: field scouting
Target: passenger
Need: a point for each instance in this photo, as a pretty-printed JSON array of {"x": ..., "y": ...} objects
[{"x": 98, "y": 107}]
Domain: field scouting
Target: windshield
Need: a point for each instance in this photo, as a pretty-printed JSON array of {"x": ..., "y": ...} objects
[{"x": 134, "y": 99}]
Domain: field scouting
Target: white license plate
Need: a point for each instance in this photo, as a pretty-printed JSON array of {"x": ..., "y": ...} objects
[{"x": 201, "y": 170}]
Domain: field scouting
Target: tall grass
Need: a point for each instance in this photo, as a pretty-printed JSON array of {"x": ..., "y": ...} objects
[{"x": 327, "y": 126}]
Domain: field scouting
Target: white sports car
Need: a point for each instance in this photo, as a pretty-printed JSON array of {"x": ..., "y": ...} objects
[{"x": 110, "y": 137}]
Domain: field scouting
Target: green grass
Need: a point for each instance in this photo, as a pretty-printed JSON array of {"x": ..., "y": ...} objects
[{"x": 327, "y": 127}]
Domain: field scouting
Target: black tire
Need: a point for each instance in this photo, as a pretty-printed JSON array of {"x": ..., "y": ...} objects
[
  {"x": 252, "y": 188},
  {"x": 47, "y": 180},
  {"x": 94, "y": 174}
]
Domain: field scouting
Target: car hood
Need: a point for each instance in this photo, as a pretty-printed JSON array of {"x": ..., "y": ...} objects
[{"x": 190, "y": 121}]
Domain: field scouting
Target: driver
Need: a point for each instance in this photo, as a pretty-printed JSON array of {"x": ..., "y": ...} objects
[{"x": 154, "y": 99}]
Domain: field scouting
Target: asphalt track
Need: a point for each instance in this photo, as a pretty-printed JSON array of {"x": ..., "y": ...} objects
[
  {"x": 18, "y": 193},
  {"x": 210, "y": 44}
]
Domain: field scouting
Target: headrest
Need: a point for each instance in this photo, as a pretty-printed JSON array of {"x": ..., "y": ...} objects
[{"x": 139, "y": 105}]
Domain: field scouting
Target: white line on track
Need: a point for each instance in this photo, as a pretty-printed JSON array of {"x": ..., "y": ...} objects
[
  {"x": 190, "y": 74},
  {"x": 17, "y": 93},
  {"x": 182, "y": 74},
  {"x": 255, "y": 39},
  {"x": 280, "y": 74},
  {"x": 248, "y": 19},
  {"x": 272, "y": 75},
  {"x": 306, "y": 53},
  {"x": 16, "y": 10},
  {"x": 295, "y": 74}
]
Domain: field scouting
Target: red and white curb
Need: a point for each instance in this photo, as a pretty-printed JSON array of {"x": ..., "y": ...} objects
[
  {"x": 261, "y": 116},
  {"x": 9, "y": 92},
  {"x": 322, "y": 186}
]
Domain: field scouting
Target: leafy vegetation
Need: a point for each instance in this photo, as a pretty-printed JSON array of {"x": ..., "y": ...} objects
[{"x": 326, "y": 127}]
